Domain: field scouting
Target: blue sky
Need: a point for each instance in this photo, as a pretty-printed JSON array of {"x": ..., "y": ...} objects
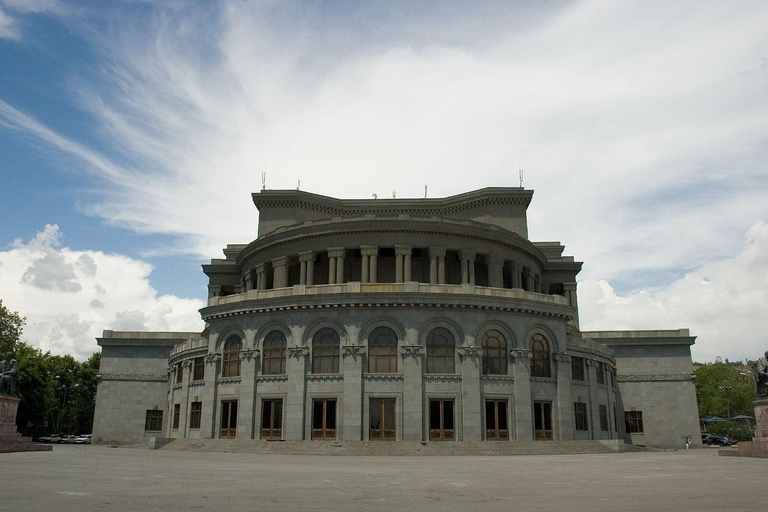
[{"x": 132, "y": 133}]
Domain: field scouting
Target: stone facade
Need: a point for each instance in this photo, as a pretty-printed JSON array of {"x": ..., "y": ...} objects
[{"x": 395, "y": 320}]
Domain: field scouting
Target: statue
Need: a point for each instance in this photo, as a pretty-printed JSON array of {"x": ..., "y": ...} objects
[
  {"x": 10, "y": 368},
  {"x": 762, "y": 376}
]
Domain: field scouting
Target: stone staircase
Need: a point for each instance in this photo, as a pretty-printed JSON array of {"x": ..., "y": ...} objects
[{"x": 383, "y": 448}]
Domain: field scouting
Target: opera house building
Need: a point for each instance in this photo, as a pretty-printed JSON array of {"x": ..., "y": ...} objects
[{"x": 396, "y": 320}]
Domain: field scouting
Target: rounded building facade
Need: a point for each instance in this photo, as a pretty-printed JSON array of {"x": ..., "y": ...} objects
[{"x": 393, "y": 320}]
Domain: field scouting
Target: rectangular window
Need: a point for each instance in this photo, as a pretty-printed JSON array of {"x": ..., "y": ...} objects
[
  {"x": 272, "y": 419},
  {"x": 198, "y": 372},
  {"x": 496, "y": 420},
  {"x": 542, "y": 420},
  {"x": 580, "y": 416},
  {"x": 382, "y": 419},
  {"x": 600, "y": 370},
  {"x": 179, "y": 373},
  {"x": 324, "y": 418},
  {"x": 154, "y": 421},
  {"x": 228, "y": 419},
  {"x": 176, "y": 416},
  {"x": 634, "y": 421},
  {"x": 195, "y": 414},
  {"x": 603, "y": 417},
  {"x": 441, "y": 423},
  {"x": 577, "y": 368}
]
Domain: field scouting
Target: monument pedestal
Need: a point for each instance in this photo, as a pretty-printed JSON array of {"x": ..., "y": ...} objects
[
  {"x": 758, "y": 447},
  {"x": 10, "y": 440}
]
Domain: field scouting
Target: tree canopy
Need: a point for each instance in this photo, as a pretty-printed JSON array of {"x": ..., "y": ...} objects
[{"x": 738, "y": 388}]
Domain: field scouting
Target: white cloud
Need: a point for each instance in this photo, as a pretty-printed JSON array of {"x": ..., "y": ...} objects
[
  {"x": 723, "y": 302},
  {"x": 9, "y": 27},
  {"x": 70, "y": 296}
]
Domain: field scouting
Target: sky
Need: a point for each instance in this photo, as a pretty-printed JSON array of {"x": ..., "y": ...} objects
[{"x": 133, "y": 132}]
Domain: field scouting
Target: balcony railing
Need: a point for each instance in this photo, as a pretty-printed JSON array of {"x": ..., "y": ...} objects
[{"x": 409, "y": 287}]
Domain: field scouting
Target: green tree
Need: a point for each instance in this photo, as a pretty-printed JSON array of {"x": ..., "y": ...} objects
[
  {"x": 722, "y": 386},
  {"x": 11, "y": 325}
]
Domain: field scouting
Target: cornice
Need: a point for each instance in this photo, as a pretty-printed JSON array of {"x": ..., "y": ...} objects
[{"x": 655, "y": 377}]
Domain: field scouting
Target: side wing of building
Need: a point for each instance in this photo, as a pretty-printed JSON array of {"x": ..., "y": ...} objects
[{"x": 131, "y": 397}]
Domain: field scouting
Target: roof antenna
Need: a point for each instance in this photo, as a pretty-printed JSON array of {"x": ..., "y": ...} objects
[
  {"x": 521, "y": 175},
  {"x": 375, "y": 196},
  {"x": 298, "y": 185},
  {"x": 425, "y": 190},
  {"x": 264, "y": 180},
  {"x": 394, "y": 194}
]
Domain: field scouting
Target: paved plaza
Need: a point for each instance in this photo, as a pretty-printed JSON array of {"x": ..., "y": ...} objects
[{"x": 90, "y": 478}]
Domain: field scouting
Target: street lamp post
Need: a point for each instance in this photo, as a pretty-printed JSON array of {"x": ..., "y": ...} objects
[{"x": 727, "y": 391}]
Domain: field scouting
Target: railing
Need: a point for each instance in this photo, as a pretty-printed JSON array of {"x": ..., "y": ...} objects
[
  {"x": 190, "y": 344},
  {"x": 409, "y": 287}
]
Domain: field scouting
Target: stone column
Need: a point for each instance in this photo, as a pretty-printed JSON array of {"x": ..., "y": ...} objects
[
  {"x": 527, "y": 280},
  {"x": 296, "y": 368},
  {"x": 413, "y": 394},
  {"x": 537, "y": 283},
  {"x": 437, "y": 265},
  {"x": 261, "y": 276},
  {"x": 364, "y": 271},
  {"x": 352, "y": 361},
  {"x": 336, "y": 254},
  {"x": 564, "y": 401},
  {"x": 495, "y": 271},
  {"x": 471, "y": 406},
  {"x": 594, "y": 410},
  {"x": 570, "y": 294},
  {"x": 307, "y": 259},
  {"x": 184, "y": 417},
  {"x": 467, "y": 266},
  {"x": 521, "y": 370},
  {"x": 209, "y": 396},
  {"x": 403, "y": 263},
  {"x": 331, "y": 268},
  {"x": 280, "y": 272},
  {"x": 518, "y": 279},
  {"x": 369, "y": 253}
]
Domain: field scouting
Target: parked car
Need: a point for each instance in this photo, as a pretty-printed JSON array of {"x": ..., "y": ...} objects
[
  {"x": 718, "y": 440},
  {"x": 705, "y": 438},
  {"x": 45, "y": 439},
  {"x": 67, "y": 439},
  {"x": 82, "y": 439}
]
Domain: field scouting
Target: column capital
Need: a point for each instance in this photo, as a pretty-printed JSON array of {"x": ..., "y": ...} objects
[
  {"x": 467, "y": 254},
  {"x": 591, "y": 362},
  {"x": 307, "y": 256},
  {"x": 437, "y": 252},
  {"x": 352, "y": 350},
  {"x": 495, "y": 260},
  {"x": 470, "y": 351},
  {"x": 569, "y": 287},
  {"x": 369, "y": 250},
  {"x": 412, "y": 350},
  {"x": 336, "y": 252},
  {"x": 280, "y": 262},
  {"x": 562, "y": 357},
  {"x": 521, "y": 353},
  {"x": 403, "y": 250},
  {"x": 261, "y": 268},
  {"x": 298, "y": 351}
]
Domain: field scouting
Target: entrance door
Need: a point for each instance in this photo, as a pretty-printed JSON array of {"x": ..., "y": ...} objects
[
  {"x": 496, "y": 420},
  {"x": 324, "y": 418},
  {"x": 542, "y": 420},
  {"x": 382, "y": 419},
  {"x": 228, "y": 419},
  {"x": 441, "y": 424},
  {"x": 272, "y": 419}
]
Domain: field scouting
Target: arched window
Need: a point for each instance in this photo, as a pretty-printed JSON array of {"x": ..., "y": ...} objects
[
  {"x": 230, "y": 366},
  {"x": 273, "y": 354},
  {"x": 540, "y": 361},
  {"x": 494, "y": 353},
  {"x": 325, "y": 351},
  {"x": 382, "y": 351},
  {"x": 441, "y": 351}
]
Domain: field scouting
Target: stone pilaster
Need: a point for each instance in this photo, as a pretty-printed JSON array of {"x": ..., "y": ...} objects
[
  {"x": 594, "y": 411},
  {"x": 261, "y": 276},
  {"x": 564, "y": 419},
  {"x": 246, "y": 400},
  {"x": 209, "y": 396},
  {"x": 307, "y": 260},
  {"x": 471, "y": 406},
  {"x": 521, "y": 370},
  {"x": 570, "y": 294},
  {"x": 280, "y": 272},
  {"x": 296, "y": 368},
  {"x": 437, "y": 265},
  {"x": 352, "y": 361},
  {"x": 413, "y": 396}
]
